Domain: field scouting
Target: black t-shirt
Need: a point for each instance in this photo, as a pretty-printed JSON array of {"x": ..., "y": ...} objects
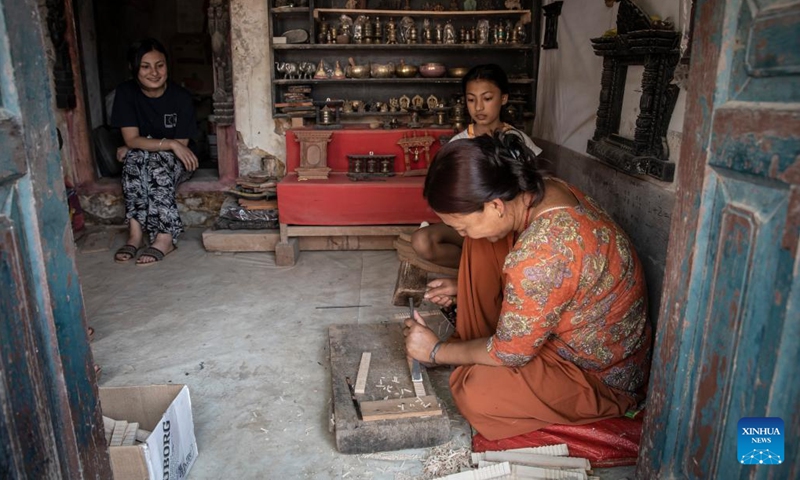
[{"x": 169, "y": 116}]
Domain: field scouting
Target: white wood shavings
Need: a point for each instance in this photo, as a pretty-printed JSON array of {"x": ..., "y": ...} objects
[
  {"x": 405, "y": 390},
  {"x": 395, "y": 380},
  {"x": 444, "y": 460}
]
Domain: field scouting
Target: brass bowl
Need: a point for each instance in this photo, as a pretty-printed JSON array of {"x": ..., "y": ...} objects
[
  {"x": 378, "y": 70},
  {"x": 432, "y": 70},
  {"x": 356, "y": 71},
  {"x": 406, "y": 71},
  {"x": 457, "y": 72}
]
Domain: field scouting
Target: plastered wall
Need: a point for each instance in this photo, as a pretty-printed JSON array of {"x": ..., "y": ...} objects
[
  {"x": 258, "y": 134},
  {"x": 569, "y": 76},
  {"x": 568, "y": 95}
]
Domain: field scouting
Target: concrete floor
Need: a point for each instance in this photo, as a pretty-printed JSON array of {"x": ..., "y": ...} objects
[{"x": 249, "y": 340}]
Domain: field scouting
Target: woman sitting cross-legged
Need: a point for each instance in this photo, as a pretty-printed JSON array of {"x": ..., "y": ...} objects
[
  {"x": 552, "y": 306},
  {"x": 157, "y": 120}
]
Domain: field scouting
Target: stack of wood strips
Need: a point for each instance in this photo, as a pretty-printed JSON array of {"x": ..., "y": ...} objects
[
  {"x": 551, "y": 462},
  {"x": 121, "y": 433},
  {"x": 254, "y": 190}
]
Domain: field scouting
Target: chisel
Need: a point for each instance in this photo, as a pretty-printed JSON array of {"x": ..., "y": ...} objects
[{"x": 416, "y": 373}]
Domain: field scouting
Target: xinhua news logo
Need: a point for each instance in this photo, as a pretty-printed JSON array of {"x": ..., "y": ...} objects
[{"x": 760, "y": 441}]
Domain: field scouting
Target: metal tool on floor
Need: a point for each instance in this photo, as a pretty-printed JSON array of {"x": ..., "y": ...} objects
[{"x": 416, "y": 373}]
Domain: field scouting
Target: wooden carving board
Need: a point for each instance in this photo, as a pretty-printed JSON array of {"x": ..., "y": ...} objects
[{"x": 382, "y": 428}]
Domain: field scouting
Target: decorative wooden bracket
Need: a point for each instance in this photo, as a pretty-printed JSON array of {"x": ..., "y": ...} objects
[{"x": 413, "y": 145}]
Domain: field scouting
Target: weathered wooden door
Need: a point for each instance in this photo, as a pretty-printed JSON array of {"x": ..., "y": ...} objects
[
  {"x": 728, "y": 344},
  {"x": 48, "y": 399}
]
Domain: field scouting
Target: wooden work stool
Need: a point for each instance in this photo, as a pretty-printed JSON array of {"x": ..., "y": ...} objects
[{"x": 412, "y": 276}]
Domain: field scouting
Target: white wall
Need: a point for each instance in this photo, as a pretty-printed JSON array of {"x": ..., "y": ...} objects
[{"x": 569, "y": 76}]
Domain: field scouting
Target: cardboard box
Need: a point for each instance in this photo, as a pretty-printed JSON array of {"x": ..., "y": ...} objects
[{"x": 166, "y": 411}]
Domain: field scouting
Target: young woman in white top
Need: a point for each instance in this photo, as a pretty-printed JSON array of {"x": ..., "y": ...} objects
[{"x": 486, "y": 91}]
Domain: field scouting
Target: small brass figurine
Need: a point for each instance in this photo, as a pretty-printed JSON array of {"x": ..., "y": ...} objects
[{"x": 391, "y": 32}]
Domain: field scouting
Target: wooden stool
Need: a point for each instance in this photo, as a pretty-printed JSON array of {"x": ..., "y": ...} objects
[{"x": 412, "y": 276}]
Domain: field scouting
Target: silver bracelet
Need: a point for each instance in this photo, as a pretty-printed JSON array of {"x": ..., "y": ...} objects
[{"x": 432, "y": 356}]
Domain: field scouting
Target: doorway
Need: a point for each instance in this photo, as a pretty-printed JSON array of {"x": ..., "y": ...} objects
[{"x": 182, "y": 27}]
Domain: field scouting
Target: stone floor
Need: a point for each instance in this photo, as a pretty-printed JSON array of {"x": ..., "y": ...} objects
[{"x": 250, "y": 340}]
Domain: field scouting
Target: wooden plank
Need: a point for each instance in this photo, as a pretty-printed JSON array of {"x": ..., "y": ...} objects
[
  {"x": 355, "y": 230},
  {"x": 524, "y": 471},
  {"x": 557, "y": 450},
  {"x": 532, "y": 459},
  {"x": 498, "y": 470},
  {"x": 119, "y": 433},
  {"x": 429, "y": 13},
  {"x": 129, "y": 438},
  {"x": 348, "y": 243},
  {"x": 240, "y": 240},
  {"x": 400, "y": 408},
  {"x": 363, "y": 371},
  {"x": 387, "y": 379}
]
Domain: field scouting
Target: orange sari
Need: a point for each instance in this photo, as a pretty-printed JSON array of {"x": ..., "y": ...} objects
[{"x": 564, "y": 310}]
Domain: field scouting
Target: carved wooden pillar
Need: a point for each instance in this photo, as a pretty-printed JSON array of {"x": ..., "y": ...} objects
[
  {"x": 223, "y": 116},
  {"x": 219, "y": 26},
  {"x": 62, "y": 66}
]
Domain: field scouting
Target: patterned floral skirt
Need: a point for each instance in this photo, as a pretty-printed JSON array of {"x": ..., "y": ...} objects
[{"x": 149, "y": 184}]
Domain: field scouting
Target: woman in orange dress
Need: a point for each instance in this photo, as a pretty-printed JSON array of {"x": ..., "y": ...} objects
[{"x": 552, "y": 306}]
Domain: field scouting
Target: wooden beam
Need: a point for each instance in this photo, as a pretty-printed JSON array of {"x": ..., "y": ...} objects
[
  {"x": 400, "y": 408},
  {"x": 355, "y": 230},
  {"x": 240, "y": 240},
  {"x": 363, "y": 371}
]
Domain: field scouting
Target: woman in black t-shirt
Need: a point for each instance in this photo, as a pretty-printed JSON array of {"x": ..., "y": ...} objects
[{"x": 157, "y": 120}]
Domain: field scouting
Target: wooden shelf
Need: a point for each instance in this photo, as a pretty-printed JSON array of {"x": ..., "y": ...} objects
[
  {"x": 404, "y": 46},
  {"x": 427, "y": 13},
  {"x": 290, "y": 10},
  {"x": 315, "y": 81}
]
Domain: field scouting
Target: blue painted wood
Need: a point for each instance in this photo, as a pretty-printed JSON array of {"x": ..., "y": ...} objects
[
  {"x": 48, "y": 398},
  {"x": 729, "y": 335}
]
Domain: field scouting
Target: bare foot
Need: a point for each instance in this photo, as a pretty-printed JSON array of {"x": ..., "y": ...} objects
[
  {"x": 134, "y": 239},
  {"x": 163, "y": 242}
]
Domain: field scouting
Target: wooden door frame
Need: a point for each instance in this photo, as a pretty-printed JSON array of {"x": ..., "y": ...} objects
[
  {"x": 78, "y": 134},
  {"x": 691, "y": 175},
  {"x": 675, "y": 336}
]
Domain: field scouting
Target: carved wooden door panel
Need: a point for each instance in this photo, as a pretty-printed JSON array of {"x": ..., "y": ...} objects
[
  {"x": 48, "y": 398},
  {"x": 728, "y": 344}
]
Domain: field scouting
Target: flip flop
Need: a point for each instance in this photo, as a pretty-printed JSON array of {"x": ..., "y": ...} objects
[
  {"x": 126, "y": 249},
  {"x": 155, "y": 253}
]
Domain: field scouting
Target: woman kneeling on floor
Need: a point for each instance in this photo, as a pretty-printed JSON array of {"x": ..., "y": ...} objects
[
  {"x": 157, "y": 120},
  {"x": 552, "y": 306}
]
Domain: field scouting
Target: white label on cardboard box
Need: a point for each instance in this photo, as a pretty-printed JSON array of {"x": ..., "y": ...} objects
[{"x": 172, "y": 449}]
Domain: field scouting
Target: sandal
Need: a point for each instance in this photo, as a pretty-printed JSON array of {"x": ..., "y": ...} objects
[
  {"x": 90, "y": 333},
  {"x": 154, "y": 253},
  {"x": 127, "y": 249}
]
